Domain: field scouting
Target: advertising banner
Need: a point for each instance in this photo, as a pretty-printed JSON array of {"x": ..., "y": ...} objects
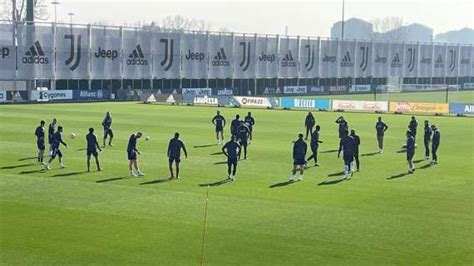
[
  {"x": 136, "y": 46},
  {"x": 45, "y": 95},
  {"x": 7, "y": 53},
  {"x": 289, "y": 53},
  {"x": 465, "y": 61},
  {"x": 105, "y": 53},
  {"x": 461, "y": 108},
  {"x": 416, "y": 107},
  {"x": 225, "y": 92},
  {"x": 35, "y": 52},
  {"x": 410, "y": 59},
  {"x": 426, "y": 60},
  {"x": 360, "y": 88},
  {"x": 309, "y": 58},
  {"x": 367, "y": 106},
  {"x": 244, "y": 56},
  {"x": 220, "y": 56},
  {"x": 72, "y": 52},
  {"x": 347, "y": 59},
  {"x": 295, "y": 89},
  {"x": 3, "y": 96},
  {"x": 305, "y": 103},
  {"x": 267, "y": 57},
  {"x": 90, "y": 95},
  {"x": 194, "y": 56},
  {"x": 196, "y": 91},
  {"x": 439, "y": 60},
  {"x": 339, "y": 89},
  {"x": 328, "y": 64},
  {"x": 396, "y": 59},
  {"x": 207, "y": 100},
  {"x": 381, "y": 60},
  {"x": 262, "y": 102},
  {"x": 165, "y": 49},
  {"x": 363, "y": 67},
  {"x": 452, "y": 61}
]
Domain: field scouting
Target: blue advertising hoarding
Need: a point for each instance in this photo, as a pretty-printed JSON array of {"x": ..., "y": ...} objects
[
  {"x": 461, "y": 108},
  {"x": 90, "y": 95},
  {"x": 305, "y": 103}
]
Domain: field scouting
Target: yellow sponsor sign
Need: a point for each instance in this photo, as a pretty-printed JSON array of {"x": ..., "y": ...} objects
[{"x": 415, "y": 107}]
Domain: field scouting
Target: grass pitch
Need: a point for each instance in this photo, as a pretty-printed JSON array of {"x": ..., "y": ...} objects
[{"x": 381, "y": 216}]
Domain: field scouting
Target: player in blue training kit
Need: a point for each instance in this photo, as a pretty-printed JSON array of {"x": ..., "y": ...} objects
[
  {"x": 250, "y": 121},
  {"x": 107, "y": 124},
  {"x": 174, "y": 154},
  {"x": 39, "y": 133},
  {"x": 299, "y": 154},
  {"x": 57, "y": 140},
  {"x": 380, "y": 127},
  {"x": 132, "y": 152},
  {"x": 435, "y": 144},
  {"x": 315, "y": 145},
  {"x": 410, "y": 145},
  {"x": 232, "y": 151},
  {"x": 234, "y": 125},
  {"x": 356, "y": 150},
  {"x": 309, "y": 123},
  {"x": 51, "y": 130},
  {"x": 243, "y": 133},
  {"x": 219, "y": 121},
  {"x": 92, "y": 147},
  {"x": 343, "y": 126},
  {"x": 427, "y": 139},
  {"x": 413, "y": 125},
  {"x": 347, "y": 144}
]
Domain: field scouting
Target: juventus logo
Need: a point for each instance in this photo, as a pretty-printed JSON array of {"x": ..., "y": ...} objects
[
  {"x": 168, "y": 60},
  {"x": 245, "y": 55},
  {"x": 411, "y": 62},
  {"x": 452, "y": 59},
  {"x": 74, "y": 52},
  {"x": 310, "y": 63},
  {"x": 365, "y": 57}
]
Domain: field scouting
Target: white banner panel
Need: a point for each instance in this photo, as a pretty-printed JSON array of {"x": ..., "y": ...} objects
[
  {"x": 196, "y": 91},
  {"x": 244, "y": 56},
  {"x": 363, "y": 67},
  {"x": 105, "y": 53},
  {"x": 410, "y": 60},
  {"x": 136, "y": 47},
  {"x": 464, "y": 61},
  {"x": 396, "y": 59},
  {"x": 329, "y": 61},
  {"x": 472, "y": 62},
  {"x": 452, "y": 61},
  {"x": 309, "y": 58},
  {"x": 46, "y": 95},
  {"x": 220, "y": 52},
  {"x": 439, "y": 60},
  {"x": 194, "y": 56},
  {"x": 288, "y": 57},
  {"x": 7, "y": 53},
  {"x": 346, "y": 58},
  {"x": 381, "y": 60},
  {"x": 368, "y": 106},
  {"x": 35, "y": 52},
  {"x": 295, "y": 89},
  {"x": 166, "y": 55},
  {"x": 426, "y": 60},
  {"x": 72, "y": 52},
  {"x": 267, "y": 57},
  {"x": 253, "y": 101}
]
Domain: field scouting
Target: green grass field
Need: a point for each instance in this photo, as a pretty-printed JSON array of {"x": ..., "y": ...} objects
[{"x": 380, "y": 217}]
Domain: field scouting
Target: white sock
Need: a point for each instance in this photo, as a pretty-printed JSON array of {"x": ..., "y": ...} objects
[{"x": 346, "y": 170}]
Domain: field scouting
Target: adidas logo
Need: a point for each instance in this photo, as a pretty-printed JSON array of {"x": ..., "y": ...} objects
[
  {"x": 137, "y": 58},
  {"x": 426, "y": 60},
  {"x": 329, "y": 59},
  {"x": 35, "y": 55},
  {"x": 220, "y": 59},
  {"x": 288, "y": 60},
  {"x": 396, "y": 61},
  {"x": 439, "y": 62},
  {"x": 346, "y": 60}
]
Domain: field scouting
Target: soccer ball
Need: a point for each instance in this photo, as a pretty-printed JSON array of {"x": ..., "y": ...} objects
[
  {"x": 147, "y": 138},
  {"x": 73, "y": 135}
]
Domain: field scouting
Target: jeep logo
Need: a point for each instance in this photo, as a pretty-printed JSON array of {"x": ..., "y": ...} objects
[
  {"x": 267, "y": 57},
  {"x": 5, "y": 52},
  {"x": 195, "y": 56},
  {"x": 329, "y": 59},
  {"x": 110, "y": 54}
]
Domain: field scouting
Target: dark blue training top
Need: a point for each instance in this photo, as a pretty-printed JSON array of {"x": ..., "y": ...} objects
[
  {"x": 219, "y": 121},
  {"x": 232, "y": 148},
  {"x": 132, "y": 143},
  {"x": 57, "y": 140},
  {"x": 428, "y": 132},
  {"x": 299, "y": 149},
  {"x": 39, "y": 133},
  {"x": 309, "y": 121},
  {"x": 380, "y": 127},
  {"x": 107, "y": 122},
  {"x": 243, "y": 132},
  {"x": 91, "y": 142},
  {"x": 343, "y": 125},
  {"x": 51, "y": 129},
  {"x": 436, "y": 138},
  {"x": 412, "y": 126},
  {"x": 234, "y": 125},
  {"x": 174, "y": 148},
  {"x": 356, "y": 142},
  {"x": 411, "y": 145},
  {"x": 249, "y": 121},
  {"x": 315, "y": 138},
  {"x": 347, "y": 145}
]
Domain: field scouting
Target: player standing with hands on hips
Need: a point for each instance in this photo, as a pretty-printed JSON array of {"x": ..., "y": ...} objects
[
  {"x": 39, "y": 133},
  {"x": 232, "y": 151},
  {"x": 219, "y": 121},
  {"x": 435, "y": 144}
]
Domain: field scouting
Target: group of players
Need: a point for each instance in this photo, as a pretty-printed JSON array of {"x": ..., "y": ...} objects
[{"x": 241, "y": 137}]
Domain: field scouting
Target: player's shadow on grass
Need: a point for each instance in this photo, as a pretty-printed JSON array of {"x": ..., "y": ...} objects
[
  {"x": 205, "y": 146},
  {"x": 111, "y": 179},
  {"x": 282, "y": 184},
  {"x": 16, "y": 166},
  {"x": 83, "y": 149},
  {"x": 426, "y": 166},
  {"x": 402, "y": 151},
  {"x": 336, "y": 174},
  {"x": 217, "y": 153},
  {"x": 331, "y": 182},
  {"x": 218, "y": 183},
  {"x": 370, "y": 154},
  {"x": 27, "y": 158},
  {"x": 329, "y": 151},
  {"x": 418, "y": 161},
  {"x": 33, "y": 171},
  {"x": 157, "y": 181},
  {"x": 222, "y": 162},
  {"x": 69, "y": 174},
  {"x": 397, "y": 176}
]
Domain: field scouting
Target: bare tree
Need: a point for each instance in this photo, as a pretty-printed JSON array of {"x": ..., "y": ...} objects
[
  {"x": 15, "y": 10},
  {"x": 180, "y": 23},
  {"x": 390, "y": 28}
]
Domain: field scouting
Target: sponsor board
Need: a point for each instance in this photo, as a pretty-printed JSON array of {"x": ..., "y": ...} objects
[
  {"x": 294, "y": 89},
  {"x": 468, "y": 86},
  {"x": 360, "y": 88},
  {"x": 315, "y": 89},
  {"x": 305, "y": 103},
  {"x": 197, "y": 91},
  {"x": 90, "y": 95},
  {"x": 225, "y": 92},
  {"x": 169, "y": 98},
  {"x": 416, "y": 107},
  {"x": 205, "y": 100},
  {"x": 360, "y": 105},
  {"x": 3, "y": 96},
  {"x": 44, "y": 95},
  {"x": 461, "y": 108},
  {"x": 221, "y": 100},
  {"x": 338, "y": 88},
  {"x": 254, "y": 102}
]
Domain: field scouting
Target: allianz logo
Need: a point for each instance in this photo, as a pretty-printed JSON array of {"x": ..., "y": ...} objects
[
  {"x": 329, "y": 58},
  {"x": 199, "y": 56},
  {"x": 425, "y": 60},
  {"x": 267, "y": 57},
  {"x": 380, "y": 59},
  {"x": 106, "y": 54}
]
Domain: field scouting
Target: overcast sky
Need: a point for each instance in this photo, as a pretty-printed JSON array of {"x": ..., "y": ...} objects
[{"x": 304, "y": 17}]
